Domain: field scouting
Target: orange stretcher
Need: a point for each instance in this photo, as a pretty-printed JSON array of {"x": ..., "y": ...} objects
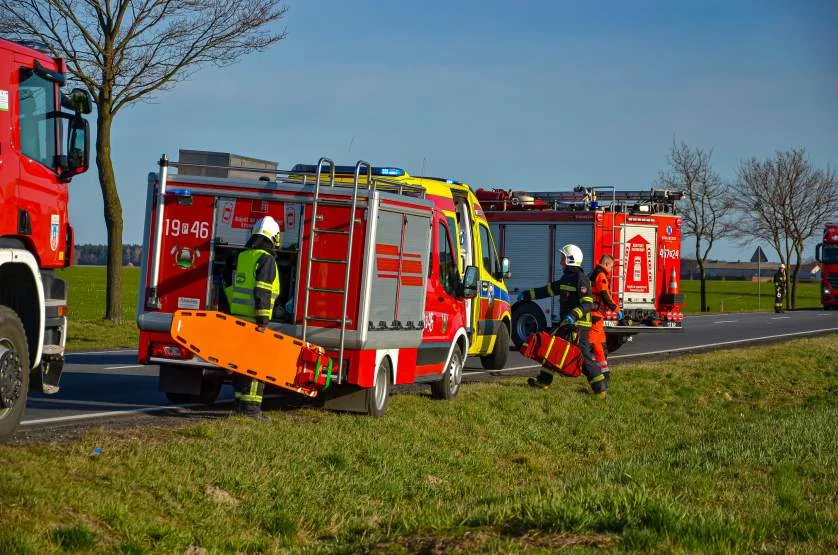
[
  {"x": 238, "y": 346},
  {"x": 554, "y": 353}
]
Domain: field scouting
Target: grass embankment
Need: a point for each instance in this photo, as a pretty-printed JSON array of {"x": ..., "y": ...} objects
[
  {"x": 741, "y": 296},
  {"x": 86, "y": 299},
  {"x": 729, "y": 451}
]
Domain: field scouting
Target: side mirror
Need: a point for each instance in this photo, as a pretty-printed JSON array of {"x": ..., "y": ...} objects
[
  {"x": 470, "y": 282},
  {"x": 504, "y": 268},
  {"x": 78, "y": 100},
  {"x": 78, "y": 147},
  {"x": 818, "y": 252}
]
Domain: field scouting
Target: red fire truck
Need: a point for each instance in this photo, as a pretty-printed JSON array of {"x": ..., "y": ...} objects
[
  {"x": 42, "y": 149},
  {"x": 827, "y": 255},
  {"x": 640, "y": 229},
  {"x": 367, "y": 270}
]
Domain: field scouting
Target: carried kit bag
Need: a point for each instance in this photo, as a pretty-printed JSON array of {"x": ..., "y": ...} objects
[{"x": 556, "y": 352}]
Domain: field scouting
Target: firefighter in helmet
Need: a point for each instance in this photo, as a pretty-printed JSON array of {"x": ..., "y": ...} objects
[
  {"x": 602, "y": 300},
  {"x": 780, "y": 288},
  {"x": 576, "y": 303},
  {"x": 251, "y": 297}
]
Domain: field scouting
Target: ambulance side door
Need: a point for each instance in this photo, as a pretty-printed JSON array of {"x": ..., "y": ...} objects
[
  {"x": 486, "y": 312},
  {"x": 443, "y": 308}
]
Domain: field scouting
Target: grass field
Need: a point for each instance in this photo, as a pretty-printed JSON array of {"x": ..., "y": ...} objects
[
  {"x": 741, "y": 296},
  {"x": 730, "y": 451},
  {"x": 87, "y": 330}
]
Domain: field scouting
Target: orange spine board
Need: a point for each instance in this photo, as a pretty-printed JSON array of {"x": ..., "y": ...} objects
[{"x": 236, "y": 345}]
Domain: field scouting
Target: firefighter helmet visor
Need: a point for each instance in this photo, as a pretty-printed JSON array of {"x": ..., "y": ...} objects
[{"x": 572, "y": 255}]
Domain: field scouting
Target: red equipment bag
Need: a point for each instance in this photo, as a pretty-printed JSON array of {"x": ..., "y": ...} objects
[
  {"x": 554, "y": 353},
  {"x": 316, "y": 369}
]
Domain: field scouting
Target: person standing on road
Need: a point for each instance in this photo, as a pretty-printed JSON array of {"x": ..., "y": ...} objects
[
  {"x": 780, "y": 288},
  {"x": 602, "y": 300},
  {"x": 252, "y": 296},
  {"x": 574, "y": 292}
]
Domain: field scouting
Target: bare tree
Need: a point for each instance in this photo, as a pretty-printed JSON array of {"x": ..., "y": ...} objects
[
  {"x": 785, "y": 200},
  {"x": 706, "y": 205},
  {"x": 124, "y": 51}
]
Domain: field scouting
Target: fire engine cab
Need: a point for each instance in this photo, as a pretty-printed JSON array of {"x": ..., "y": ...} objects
[
  {"x": 41, "y": 150},
  {"x": 639, "y": 229},
  {"x": 827, "y": 255},
  {"x": 368, "y": 271}
]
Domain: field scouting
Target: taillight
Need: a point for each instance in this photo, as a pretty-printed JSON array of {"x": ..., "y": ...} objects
[{"x": 169, "y": 350}]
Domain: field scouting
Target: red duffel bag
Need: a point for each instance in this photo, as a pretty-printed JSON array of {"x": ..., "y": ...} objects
[{"x": 554, "y": 353}]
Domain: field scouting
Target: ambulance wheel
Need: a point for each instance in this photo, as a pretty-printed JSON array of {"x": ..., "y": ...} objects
[
  {"x": 14, "y": 371},
  {"x": 448, "y": 387},
  {"x": 379, "y": 394},
  {"x": 497, "y": 359},
  {"x": 527, "y": 319}
]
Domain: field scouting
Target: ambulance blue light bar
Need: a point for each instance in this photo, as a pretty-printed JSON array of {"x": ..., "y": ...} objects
[{"x": 387, "y": 171}]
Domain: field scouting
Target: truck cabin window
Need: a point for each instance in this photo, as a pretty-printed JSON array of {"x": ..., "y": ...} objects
[
  {"x": 38, "y": 128},
  {"x": 448, "y": 274},
  {"x": 490, "y": 256},
  {"x": 829, "y": 255}
]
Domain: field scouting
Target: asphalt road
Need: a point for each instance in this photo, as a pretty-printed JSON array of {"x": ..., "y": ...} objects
[{"x": 103, "y": 386}]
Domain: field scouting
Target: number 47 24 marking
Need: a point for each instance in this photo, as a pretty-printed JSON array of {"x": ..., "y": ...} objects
[{"x": 178, "y": 228}]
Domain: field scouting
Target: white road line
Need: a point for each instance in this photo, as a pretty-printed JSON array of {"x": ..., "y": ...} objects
[
  {"x": 780, "y": 317},
  {"x": 124, "y": 366},
  {"x": 76, "y": 402},
  {"x": 679, "y": 349},
  {"x": 125, "y": 351},
  {"x": 725, "y": 321},
  {"x": 106, "y": 414},
  {"x": 823, "y": 314}
]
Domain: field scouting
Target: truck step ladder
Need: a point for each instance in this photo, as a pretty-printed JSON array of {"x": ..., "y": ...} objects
[
  {"x": 270, "y": 356},
  {"x": 345, "y": 262}
]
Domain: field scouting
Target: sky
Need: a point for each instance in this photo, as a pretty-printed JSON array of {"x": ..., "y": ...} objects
[{"x": 538, "y": 95}]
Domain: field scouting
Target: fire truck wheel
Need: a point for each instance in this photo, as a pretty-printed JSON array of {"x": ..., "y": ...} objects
[
  {"x": 497, "y": 359},
  {"x": 527, "y": 319},
  {"x": 14, "y": 370},
  {"x": 448, "y": 387},
  {"x": 379, "y": 394}
]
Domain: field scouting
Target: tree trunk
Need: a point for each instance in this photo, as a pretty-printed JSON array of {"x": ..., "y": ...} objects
[
  {"x": 791, "y": 298},
  {"x": 702, "y": 277},
  {"x": 113, "y": 211}
]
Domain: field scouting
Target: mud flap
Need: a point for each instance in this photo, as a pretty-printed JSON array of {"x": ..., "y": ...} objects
[
  {"x": 180, "y": 379},
  {"x": 345, "y": 399}
]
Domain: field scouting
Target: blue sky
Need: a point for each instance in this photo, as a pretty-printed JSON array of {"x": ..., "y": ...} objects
[{"x": 530, "y": 94}]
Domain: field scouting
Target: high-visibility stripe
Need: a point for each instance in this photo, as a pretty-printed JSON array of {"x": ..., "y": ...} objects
[
  {"x": 263, "y": 285},
  {"x": 564, "y": 355},
  {"x": 243, "y": 302},
  {"x": 565, "y": 287},
  {"x": 532, "y": 293},
  {"x": 596, "y": 379},
  {"x": 550, "y": 290},
  {"x": 549, "y": 348},
  {"x": 264, "y": 312}
]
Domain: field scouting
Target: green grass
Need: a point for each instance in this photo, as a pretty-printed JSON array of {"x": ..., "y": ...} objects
[
  {"x": 86, "y": 292},
  {"x": 730, "y": 451},
  {"x": 741, "y": 296}
]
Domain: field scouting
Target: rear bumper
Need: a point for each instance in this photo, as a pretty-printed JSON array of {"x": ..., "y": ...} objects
[{"x": 643, "y": 328}]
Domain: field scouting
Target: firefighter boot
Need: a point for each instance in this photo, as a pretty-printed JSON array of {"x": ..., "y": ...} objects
[
  {"x": 543, "y": 380},
  {"x": 599, "y": 386},
  {"x": 254, "y": 411}
]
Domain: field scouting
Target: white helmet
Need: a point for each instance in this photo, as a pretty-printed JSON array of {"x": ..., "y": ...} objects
[
  {"x": 572, "y": 255},
  {"x": 782, "y": 266},
  {"x": 267, "y": 227}
]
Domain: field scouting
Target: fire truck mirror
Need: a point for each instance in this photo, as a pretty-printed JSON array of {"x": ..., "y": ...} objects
[
  {"x": 470, "y": 281},
  {"x": 504, "y": 268},
  {"x": 78, "y": 100},
  {"x": 78, "y": 147}
]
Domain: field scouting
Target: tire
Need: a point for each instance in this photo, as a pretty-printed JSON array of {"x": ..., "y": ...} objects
[
  {"x": 497, "y": 359},
  {"x": 210, "y": 390},
  {"x": 449, "y": 386},
  {"x": 378, "y": 396},
  {"x": 14, "y": 371},
  {"x": 527, "y": 318}
]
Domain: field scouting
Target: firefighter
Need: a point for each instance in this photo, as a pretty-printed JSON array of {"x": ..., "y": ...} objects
[
  {"x": 780, "y": 287},
  {"x": 602, "y": 299},
  {"x": 251, "y": 297},
  {"x": 573, "y": 289}
]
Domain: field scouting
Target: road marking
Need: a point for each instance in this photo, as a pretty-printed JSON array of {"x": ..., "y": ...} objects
[
  {"x": 124, "y": 366},
  {"x": 725, "y": 321},
  {"x": 125, "y": 351},
  {"x": 107, "y": 414},
  {"x": 780, "y": 317},
  {"x": 823, "y": 314},
  {"x": 679, "y": 349},
  {"x": 88, "y": 403}
]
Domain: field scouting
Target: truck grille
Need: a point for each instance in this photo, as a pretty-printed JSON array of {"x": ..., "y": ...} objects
[{"x": 833, "y": 281}]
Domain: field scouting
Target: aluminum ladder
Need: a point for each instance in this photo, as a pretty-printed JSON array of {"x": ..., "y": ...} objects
[{"x": 346, "y": 262}]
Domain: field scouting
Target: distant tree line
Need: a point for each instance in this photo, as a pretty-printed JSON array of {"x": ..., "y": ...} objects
[{"x": 97, "y": 255}]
